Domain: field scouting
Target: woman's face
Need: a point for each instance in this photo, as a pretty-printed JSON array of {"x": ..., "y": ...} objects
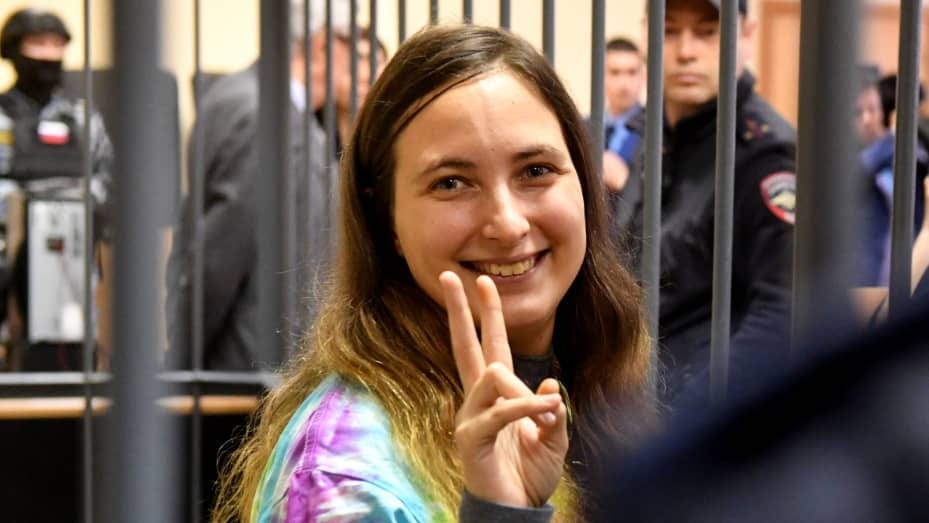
[{"x": 484, "y": 184}]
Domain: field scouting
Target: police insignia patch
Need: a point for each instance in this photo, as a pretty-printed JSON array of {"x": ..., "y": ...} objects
[{"x": 779, "y": 192}]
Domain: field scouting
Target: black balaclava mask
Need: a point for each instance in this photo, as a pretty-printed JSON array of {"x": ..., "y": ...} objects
[{"x": 37, "y": 78}]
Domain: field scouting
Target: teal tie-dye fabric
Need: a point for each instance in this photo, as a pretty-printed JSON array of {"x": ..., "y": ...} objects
[{"x": 336, "y": 462}]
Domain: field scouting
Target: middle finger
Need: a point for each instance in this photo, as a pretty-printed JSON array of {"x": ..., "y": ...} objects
[{"x": 493, "y": 327}]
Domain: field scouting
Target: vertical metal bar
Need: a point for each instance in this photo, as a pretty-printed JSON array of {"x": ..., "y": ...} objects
[
  {"x": 137, "y": 478},
  {"x": 353, "y": 103},
  {"x": 723, "y": 222},
  {"x": 288, "y": 212},
  {"x": 597, "y": 64},
  {"x": 548, "y": 30},
  {"x": 654, "y": 131},
  {"x": 309, "y": 144},
  {"x": 467, "y": 11},
  {"x": 273, "y": 106},
  {"x": 505, "y": 14},
  {"x": 196, "y": 301},
  {"x": 823, "y": 246},
  {"x": 87, "y": 173},
  {"x": 330, "y": 96},
  {"x": 433, "y": 12},
  {"x": 374, "y": 44},
  {"x": 905, "y": 154},
  {"x": 401, "y": 21}
]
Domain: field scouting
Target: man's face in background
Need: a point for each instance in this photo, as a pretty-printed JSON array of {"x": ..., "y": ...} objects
[
  {"x": 343, "y": 89},
  {"x": 869, "y": 116},
  {"x": 340, "y": 66},
  {"x": 623, "y": 80},
  {"x": 691, "y": 53},
  {"x": 43, "y": 46}
]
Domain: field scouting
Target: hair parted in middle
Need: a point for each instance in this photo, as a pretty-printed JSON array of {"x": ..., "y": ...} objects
[{"x": 379, "y": 328}]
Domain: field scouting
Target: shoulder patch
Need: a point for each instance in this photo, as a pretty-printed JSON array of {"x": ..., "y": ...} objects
[
  {"x": 753, "y": 129},
  {"x": 779, "y": 192}
]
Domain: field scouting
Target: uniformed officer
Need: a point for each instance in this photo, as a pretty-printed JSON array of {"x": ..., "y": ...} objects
[
  {"x": 43, "y": 143},
  {"x": 765, "y": 187}
]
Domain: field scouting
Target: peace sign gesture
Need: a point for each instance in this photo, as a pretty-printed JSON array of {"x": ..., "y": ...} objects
[{"x": 512, "y": 442}]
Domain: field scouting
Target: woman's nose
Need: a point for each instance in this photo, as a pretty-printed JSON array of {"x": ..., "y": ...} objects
[{"x": 507, "y": 222}]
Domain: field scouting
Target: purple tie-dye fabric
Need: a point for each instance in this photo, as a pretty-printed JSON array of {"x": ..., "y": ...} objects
[{"x": 335, "y": 462}]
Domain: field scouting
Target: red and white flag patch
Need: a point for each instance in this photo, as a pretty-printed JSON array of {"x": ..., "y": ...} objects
[{"x": 53, "y": 133}]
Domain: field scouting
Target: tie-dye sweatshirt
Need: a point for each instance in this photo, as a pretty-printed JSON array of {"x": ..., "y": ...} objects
[{"x": 336, "y": 462}]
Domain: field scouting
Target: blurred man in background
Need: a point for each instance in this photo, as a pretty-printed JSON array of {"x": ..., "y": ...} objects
[
  {"x": 624, "y": 77},
  {"x": 228, "y": 125}
]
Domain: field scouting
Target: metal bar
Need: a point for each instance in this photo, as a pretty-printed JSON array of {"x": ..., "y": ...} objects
[
  {"x": 505, "y": 14},
  {"x": 87, "y": 173},
  {"x": 196, "y": 320},
  {"x": 11, "y": 381},
  {"x": 273, "y": 113},
  {"x": 329, "y": 111},
  {"x": 433, "y": 12},
  {"x": 401, "y": 21},
  {"x": 264, "y": 378},
  {"x": 353, "y": 103},
  {"x": 302, "y": 224},
  {"x": 290, "y": 258},
  {"x": 548, "y": 30},
  {"x": 654, "y": 130},
  {"x": 467, "y": 11},
  {"x": 15, "y": 380},
  {"x": 905, "y": 155},
  {"x": 723, "y": 203},
  {"x": 300, "y": 212},
  {"x": 823, "y": 241},
  {"x": 137, "y": 477},
  {"x": 374, "y": 44},
  {"x": 597, "y": 65}
]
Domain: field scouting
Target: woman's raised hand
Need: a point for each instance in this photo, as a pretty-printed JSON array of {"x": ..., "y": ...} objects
[{"x": 512, "y": 441}]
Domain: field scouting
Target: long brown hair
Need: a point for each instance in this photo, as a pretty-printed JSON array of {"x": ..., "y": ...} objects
[{"x": 378, "y": 328}]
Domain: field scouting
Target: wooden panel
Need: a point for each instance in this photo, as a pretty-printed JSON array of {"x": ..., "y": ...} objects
[
  {"x": 73, "y": 407},
  {"x": 49, "y": 408}
]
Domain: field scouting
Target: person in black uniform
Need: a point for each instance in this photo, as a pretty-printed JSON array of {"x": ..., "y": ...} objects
[
  {"x": 765, "y": 186},
  {"x": 45, "y": 140}
]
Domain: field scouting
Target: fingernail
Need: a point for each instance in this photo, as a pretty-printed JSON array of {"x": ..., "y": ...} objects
[{"x": 547, "y": 418}]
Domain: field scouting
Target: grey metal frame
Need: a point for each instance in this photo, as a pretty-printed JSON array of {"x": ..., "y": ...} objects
[
  {"x": 905, "y": 154},
  {"x": 723, "y": 222},
  {"x": 196, "y": 199},
  {"x": 505, "y": 14},
  {"x": 134, "y": 473},
  {"x": 87, "y": 423},
  {"x": 823, "y": 246},
  {"x": 654, "y": 135},
  {"x": 548, "y": 30}
]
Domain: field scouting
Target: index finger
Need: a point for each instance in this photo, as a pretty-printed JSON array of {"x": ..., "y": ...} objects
[
  {"x": 493, "y": 327},
  {"x": 466, "y": 348}
]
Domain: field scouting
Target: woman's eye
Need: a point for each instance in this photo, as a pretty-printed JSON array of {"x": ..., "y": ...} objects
[
  {"x": 537, "y": 171},
  {"x": 448, "y": 184}
]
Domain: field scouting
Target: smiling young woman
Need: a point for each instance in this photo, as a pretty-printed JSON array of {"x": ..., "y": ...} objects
[{"x": 470, "y": 200}]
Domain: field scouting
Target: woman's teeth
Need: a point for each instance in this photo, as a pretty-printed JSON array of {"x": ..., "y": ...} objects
[{"x": 506, "y": 269}]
